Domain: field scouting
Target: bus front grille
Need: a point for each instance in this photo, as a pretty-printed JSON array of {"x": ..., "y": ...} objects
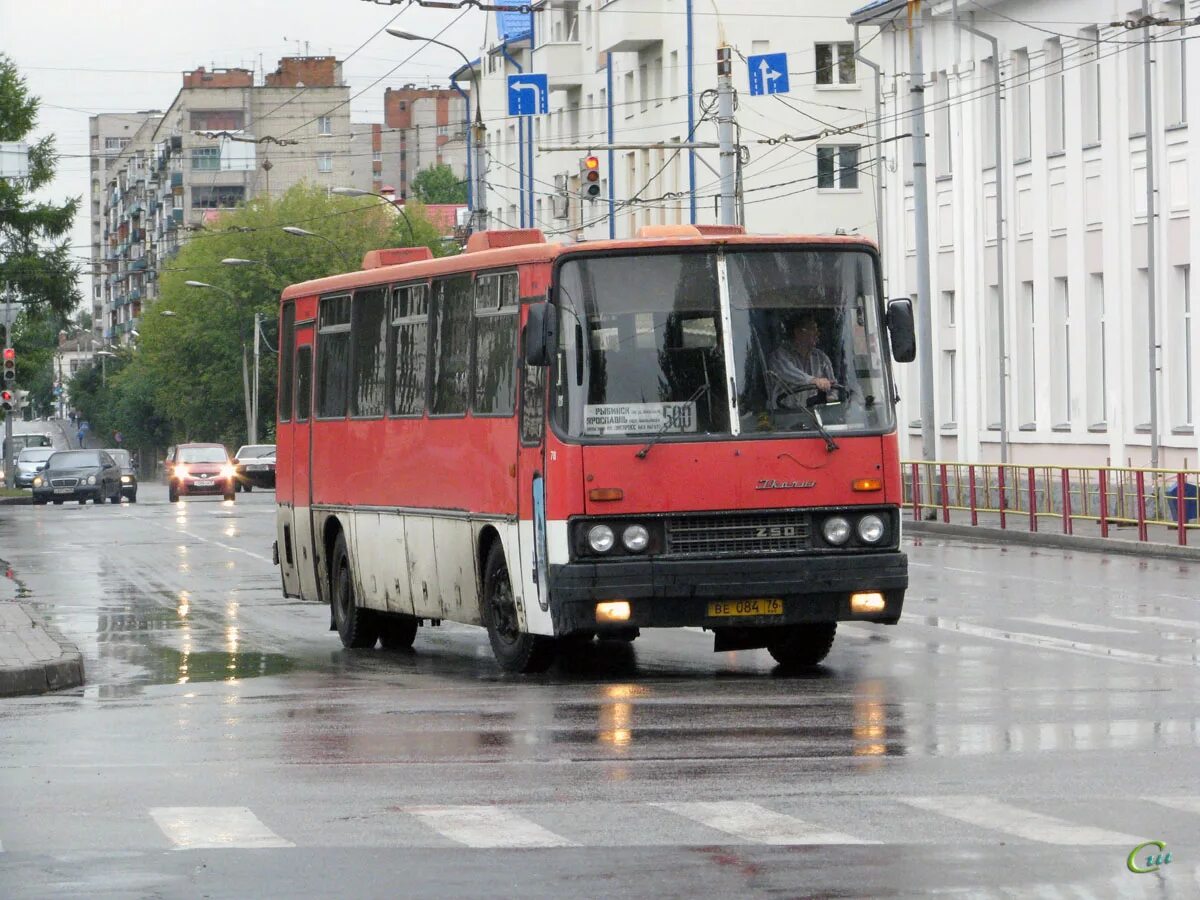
[{"x": 753, "y": 534}]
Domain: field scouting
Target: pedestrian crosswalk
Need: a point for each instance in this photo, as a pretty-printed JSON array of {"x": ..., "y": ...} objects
[{"x": 794, "y": 821}]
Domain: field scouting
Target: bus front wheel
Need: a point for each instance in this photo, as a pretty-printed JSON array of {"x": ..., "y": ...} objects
[
  {"x": 356, "y": 626},
  {"x": 800, "y": 646},
  {"x": 515, "y": 650}
]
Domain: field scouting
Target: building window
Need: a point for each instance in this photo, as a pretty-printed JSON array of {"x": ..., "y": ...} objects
[
  {"x": 948, "y": 312},
  {"x": 836, "y": 64},
  {"x": 217, "y": 120},
  {"x": 1135, "y": 62},
  {"x": 376, "y": 156},
  {"x": 837, "y": 167},
  {"x": 1097, "y": 353},
  {"x": 1056, "y": 102},
  {"x": 116, "y": 143},
  {"x": 987, "y": 87},
  {"x": 992, "y": 356},
  {"x": 943, "y": 138},
  {"x": 1021, "y": 114},
  {"x": 950, "y": 388},
  {"x": 1174, "y": 59},
  {"x": 325, "y": 125},
  {"x": 324, "y": 162},
  {"x": 1089, "y": 62},
  {"x": 224, "y": 197},
  {"x": 207, "y": 158},
  {"x": 1182, "y": 369},
  {"x": 1060, "y": 353}
]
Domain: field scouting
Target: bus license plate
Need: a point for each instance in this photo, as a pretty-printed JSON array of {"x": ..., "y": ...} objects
[{"x": 771, "y": 607}]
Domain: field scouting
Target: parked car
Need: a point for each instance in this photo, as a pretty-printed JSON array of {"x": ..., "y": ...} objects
[
  {"x": 78, "y": 475},
  {"x": 129, "y": 482},
  {"x": 21, "y": 441},
  {"x": 201, "y": 469},
  {"x": 30, "y": 461},
  {"x": 255, "y": 467}
]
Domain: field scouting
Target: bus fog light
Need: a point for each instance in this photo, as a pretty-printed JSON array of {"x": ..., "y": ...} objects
[
  {"x": 836, "y": 530},
  {"x": 870, "y": 529},
  {"x": 600, "y": 538},
  {"x": 635, "y": 538},
  {"x": 612, "y": 611},
  {"x": 867, "y": 603}
]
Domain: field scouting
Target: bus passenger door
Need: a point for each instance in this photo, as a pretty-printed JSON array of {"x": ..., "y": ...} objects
[
  {"x": 531, "y": 506},
  {"x": 304, "y": 549}
]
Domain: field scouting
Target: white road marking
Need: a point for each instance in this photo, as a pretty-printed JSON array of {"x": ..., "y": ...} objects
[
  {"x": 1185, "y": 804},
  {"x": 756, "y": 824},
  {"x": 229, "y": 547},
  {"x": 985, "y": 812},
  {"x": 1159, "y": 620},
  {"x": 215, "y": 827},
  {"x": 1045, "y": 642},
  {"x": 1076, "y": 626},
  {"x": 487, "y": 827}
]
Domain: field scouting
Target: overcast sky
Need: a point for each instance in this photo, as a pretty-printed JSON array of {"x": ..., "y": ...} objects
[{"x": 83, "y": 57}]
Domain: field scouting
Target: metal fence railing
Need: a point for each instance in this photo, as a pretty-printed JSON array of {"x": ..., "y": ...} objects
[{"x": 1064, "y": 496}]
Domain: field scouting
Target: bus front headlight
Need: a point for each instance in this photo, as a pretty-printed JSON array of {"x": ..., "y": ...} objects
[
  {"x": 635, "y": 538},
  {"x": 871, "y": 529},
  {"x": 836, "y": 530},
  {"x": 600, "y": 538}
]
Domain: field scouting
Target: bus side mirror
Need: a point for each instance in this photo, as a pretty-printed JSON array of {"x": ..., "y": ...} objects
[
  {"x": 541, "y": 334},
  {"x": 900, "y": 330}
]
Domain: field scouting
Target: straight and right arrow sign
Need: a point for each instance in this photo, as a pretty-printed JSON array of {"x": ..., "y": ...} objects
[{"x": 768, "y": 74}]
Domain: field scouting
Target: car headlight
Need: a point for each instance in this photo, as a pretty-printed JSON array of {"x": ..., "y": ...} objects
[
  {"x": 635, "y": 538},
  {"x": 228, "y": 471},
  {"x": 871, "y": 529},
  {"x": 91, "y": 479},
  {"x": 37, "y": 481},
  {"x": 600, "y": 538},
  {"x": 180, "y": 471},
  {"x": 126, "y": 479},
  {"x": 836, "y": 530}
]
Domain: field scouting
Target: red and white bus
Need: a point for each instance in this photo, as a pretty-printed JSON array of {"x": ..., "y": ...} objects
[{"x": 567, "y": 441}]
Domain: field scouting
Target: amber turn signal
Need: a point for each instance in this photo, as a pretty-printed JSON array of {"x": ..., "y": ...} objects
[
  {"x": 867, "y": 484},
  {"x": 606, "y": 494}
]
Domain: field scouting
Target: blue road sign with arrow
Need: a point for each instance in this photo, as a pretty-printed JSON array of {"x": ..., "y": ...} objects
[
  {"x": 768, "y": 74},
  {"x": 528, "y": 94}
]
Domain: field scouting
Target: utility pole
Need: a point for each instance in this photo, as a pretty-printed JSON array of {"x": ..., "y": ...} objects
[
  {"x": 254, "y": 402},
  {"x": 481, "y": 210},
  {"x": 8, "y": 417},
  {"x": 728, "y": 151},
  {"x": 1151, "y": 262},
  {"x": 916, "y": 77}
]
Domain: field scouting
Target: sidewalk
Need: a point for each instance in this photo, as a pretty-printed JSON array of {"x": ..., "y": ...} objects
[{"x": 34, "y": 659}]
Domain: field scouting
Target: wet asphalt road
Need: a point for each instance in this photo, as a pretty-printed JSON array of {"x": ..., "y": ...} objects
[{"x": 1032, "y": 719}]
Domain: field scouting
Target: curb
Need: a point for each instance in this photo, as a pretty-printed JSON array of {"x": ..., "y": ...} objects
[
  {"x": 16, "y": 501},
  {"x": 1058, "y": 541},
  {"x": 41, "y": 676}
]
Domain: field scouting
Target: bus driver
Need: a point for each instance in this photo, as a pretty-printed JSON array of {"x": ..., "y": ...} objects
[{"x": 798, "y": 362}]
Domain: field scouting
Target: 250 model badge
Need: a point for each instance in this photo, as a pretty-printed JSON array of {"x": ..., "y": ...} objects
[{"x": 770, "y": 484}]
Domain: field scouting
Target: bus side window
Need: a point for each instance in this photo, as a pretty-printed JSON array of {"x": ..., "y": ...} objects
[
  {"x": 408, "y": 350},
  {"x": 451, "y": 346},
  {"x": 495, "y": 358},
  {"x": 287, "y": 347},
  {"x": 533, "y": 404},
  {"x": 333, "y": 357},
  {"x": 303, "y": 383}
]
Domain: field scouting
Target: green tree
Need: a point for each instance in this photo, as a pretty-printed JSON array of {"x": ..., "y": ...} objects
[
  {"x": 34, "y": 252},
  {"x": 185, "y": 380},
  {"x": 438, "y": 184}
]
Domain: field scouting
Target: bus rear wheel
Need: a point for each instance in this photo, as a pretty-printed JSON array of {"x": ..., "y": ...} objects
[
  {"x": 516, "y": 651},
  {"x": 397, "y": 632},
  {"x": 801, "y": 646},
  {"x": 357, "y": 627}
]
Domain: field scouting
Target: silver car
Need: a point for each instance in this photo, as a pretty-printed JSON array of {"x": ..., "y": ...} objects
[{"x": 30, "y": 461}]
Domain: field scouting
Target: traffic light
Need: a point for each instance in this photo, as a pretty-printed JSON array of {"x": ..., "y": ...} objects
[
  {"x": 589, "y": 178},
  {"x": 10, "y": 365},
  {"x": 8, "y": 400}
]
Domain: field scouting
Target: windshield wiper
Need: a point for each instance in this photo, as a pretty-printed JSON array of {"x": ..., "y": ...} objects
[
  {"x": 830, "y": 446},
  {"x": 696, "y": 395}
]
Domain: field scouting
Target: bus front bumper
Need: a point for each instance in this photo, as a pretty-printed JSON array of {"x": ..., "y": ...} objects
[{"x": 673, "y": 593}]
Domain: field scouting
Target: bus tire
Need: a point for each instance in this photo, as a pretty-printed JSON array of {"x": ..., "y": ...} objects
[
  {"x": 515, "y": 650},
  {"x": 801, "y": 646},
  {"x": 357, "y": 627},
  {"x": 397, "y": 632}
]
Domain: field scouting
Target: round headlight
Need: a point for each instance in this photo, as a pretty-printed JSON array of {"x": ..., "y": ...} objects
[
  {"x": 37, "y": 481},
  {"x": 91, "y": 479},
  {"x": 870, "y": 529},
  {"x": 635, "y": 538},
  {"x": 600, "y": 538},
  {"x": 836, "y": 530}
]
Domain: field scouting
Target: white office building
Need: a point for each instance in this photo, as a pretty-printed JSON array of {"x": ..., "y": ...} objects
[
  {"x": 1087, "y": 274},
  {"x": 644, "y": 72}
]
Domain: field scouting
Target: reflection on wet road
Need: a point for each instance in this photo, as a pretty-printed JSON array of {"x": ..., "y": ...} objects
[{"x": 1032, "y": 703}]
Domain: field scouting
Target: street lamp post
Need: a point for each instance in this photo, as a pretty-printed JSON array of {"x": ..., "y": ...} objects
[
  {"x": 479, "y": 214},
  {"x": 359, "y": 192},
  {"x": 104, "y": 355},
  {"x": 304, "y": 232},
  {"x": 251, "y": 422}
]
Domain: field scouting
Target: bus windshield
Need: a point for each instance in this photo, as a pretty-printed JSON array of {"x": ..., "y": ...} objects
[{"x": 644, "y": 351}]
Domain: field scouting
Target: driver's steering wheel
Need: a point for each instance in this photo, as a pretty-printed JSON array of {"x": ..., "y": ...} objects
[{"x": 840, "y": 391}]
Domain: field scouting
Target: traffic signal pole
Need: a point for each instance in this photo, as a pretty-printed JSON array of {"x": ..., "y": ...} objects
[
  {"x": 8, "y": 416},
  {"x": 728, "y": 151}
]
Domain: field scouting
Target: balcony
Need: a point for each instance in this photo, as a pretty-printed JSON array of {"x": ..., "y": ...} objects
[
  {"x": 138, "y": 265},
  {"x": 177, "y": 216},
  {"x": 135, "y": 294},
  {"x": 176, "y": 180},
  {"x": 563, "y": 62},
  {"x": 628, "y": 33}
]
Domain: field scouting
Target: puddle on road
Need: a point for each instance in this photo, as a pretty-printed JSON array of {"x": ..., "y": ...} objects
[{"x": 166, "y": 665}]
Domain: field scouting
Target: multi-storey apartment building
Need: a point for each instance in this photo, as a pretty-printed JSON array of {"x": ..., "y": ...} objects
[
  {"x": 1085, "y": 270},
  {"x": 422, "y": 128},
  {"x": 227, "y": 137},
  {"x": 642, "y": 72}
]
